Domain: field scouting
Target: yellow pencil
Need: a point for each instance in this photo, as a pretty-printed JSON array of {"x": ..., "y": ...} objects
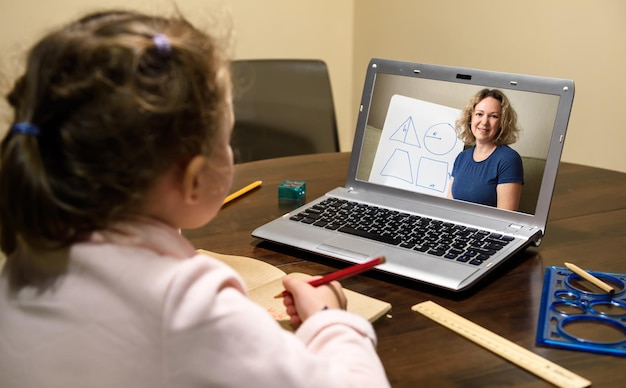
[
  {"x": 242, "y": 191},
  {"x": 594, "y": 280}
]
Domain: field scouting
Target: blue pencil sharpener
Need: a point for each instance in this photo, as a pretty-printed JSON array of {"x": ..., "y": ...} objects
[{"x": 290, "y": 190}]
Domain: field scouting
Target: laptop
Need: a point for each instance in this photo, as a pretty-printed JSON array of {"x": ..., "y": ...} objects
[{"x": 402, "y": 156}]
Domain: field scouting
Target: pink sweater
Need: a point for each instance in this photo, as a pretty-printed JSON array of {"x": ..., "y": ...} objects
[{"x": 138, "y": 307}]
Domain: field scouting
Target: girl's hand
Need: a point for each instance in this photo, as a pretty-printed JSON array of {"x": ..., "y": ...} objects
[{"x": 303, "y": 300}]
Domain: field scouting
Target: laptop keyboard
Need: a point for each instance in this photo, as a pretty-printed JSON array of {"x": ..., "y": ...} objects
[{"x": 435, "y": 237}]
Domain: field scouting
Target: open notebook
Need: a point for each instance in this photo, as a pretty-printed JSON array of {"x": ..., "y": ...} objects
[
  {"x": 264, "y": 281},
  {"x": 402, "y": 156}
]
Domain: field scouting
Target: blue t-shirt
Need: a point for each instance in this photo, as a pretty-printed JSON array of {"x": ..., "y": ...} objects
[{"x": 476, "y": 181}]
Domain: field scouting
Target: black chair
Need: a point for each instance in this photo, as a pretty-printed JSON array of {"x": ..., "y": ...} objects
[{"x": 282, "y": 107}]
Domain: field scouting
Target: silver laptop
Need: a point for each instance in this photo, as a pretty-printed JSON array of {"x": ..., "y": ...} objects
[{"x": 402, "y": 156}]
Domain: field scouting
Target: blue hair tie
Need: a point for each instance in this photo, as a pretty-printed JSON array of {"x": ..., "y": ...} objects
[
  {"x": 162, "y": 43},
  {"x": 25, "y": 128}
]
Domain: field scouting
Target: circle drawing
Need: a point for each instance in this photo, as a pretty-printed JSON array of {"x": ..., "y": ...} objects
[{"x": 440, "y": 139}]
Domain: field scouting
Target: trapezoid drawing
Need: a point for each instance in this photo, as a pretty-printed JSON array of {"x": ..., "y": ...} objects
[
  {"x": 398, "y": 166},
  {"x": 406, "y": 133}
]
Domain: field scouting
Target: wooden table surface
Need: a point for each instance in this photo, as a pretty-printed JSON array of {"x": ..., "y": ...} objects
[{"x": 587, "y": 226}]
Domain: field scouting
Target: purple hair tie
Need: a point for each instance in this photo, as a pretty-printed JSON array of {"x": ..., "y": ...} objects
[
  {"x": 162, "y": 44},
  {"x": 25, "y": 128}
]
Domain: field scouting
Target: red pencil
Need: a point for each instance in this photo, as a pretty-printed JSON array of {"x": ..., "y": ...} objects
[{"x": 343, "y": 273}]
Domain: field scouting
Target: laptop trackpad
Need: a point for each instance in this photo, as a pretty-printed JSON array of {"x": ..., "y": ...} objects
[{"x": 350, "y": 247}]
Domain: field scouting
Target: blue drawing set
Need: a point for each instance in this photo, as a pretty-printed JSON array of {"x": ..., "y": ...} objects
[{"x": 577, "y": 315}]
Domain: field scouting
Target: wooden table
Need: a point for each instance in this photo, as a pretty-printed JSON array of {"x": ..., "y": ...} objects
[{"x": 587, "y": 226}]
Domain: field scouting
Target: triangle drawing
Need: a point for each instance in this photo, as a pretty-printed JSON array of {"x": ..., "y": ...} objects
[{"x": 406, "y": 133}]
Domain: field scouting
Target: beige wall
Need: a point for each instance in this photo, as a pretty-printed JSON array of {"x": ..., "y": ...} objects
[
  {"x": 262, "y": 29},
  {"x": 577, "y": 39}
]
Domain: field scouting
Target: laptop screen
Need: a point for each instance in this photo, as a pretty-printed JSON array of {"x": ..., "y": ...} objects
[{"x": 408, "y": 116}]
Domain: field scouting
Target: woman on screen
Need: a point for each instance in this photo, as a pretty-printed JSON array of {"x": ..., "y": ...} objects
[{"x": 489, "y": 172}]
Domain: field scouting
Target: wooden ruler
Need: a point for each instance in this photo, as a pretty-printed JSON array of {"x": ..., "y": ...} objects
[{"x": 528, "y": 360}]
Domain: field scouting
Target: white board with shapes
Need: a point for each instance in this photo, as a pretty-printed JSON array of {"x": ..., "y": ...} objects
[{"x": 417, "y": 147}]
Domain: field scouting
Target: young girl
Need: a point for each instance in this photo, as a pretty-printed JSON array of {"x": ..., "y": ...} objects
[{"x": 120, "y": 137}]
